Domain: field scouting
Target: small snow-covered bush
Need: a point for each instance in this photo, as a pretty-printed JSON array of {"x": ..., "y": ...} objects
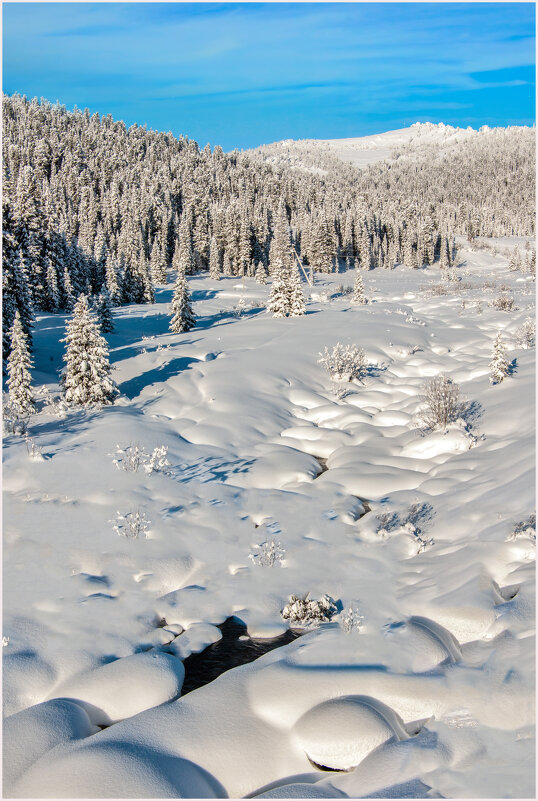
[
  {"x": 344, "y": 362},
  {"x": 306, "y": 612},
  {"x": 131, "y": 525},
  {"x": 525, "y": 528},
  {"x": 269, "y": 554},
  {"x": 130, "y": 458},
  {"x": 410, "y": 523},
  {"x": 157, "y": 462},
  {"x": 12, "y": 422},
  {"x": 351, "y": 620},
  {"x": 441, "y": 396},
  {"x": 525, "y": 335},
  {"x": 503, "y": 303},
  {"x": 34, "y": 450}
]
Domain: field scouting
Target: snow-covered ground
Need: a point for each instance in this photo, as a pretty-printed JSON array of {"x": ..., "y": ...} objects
[
  {"x": 427, "y": 684},
  {"x": 364, "y": 150}
]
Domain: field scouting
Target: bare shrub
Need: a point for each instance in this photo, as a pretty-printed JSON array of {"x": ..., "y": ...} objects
[
  {"x": 441, "y": 396},
  {"x": 503, "y": 303},
  {"x": 269, "y": 554},
  {"x": 525, "y": 528},
  {"x": 525, "y": 335},
  {"x": 344, "y": 362},
  {"x": 131, "y": 525}
]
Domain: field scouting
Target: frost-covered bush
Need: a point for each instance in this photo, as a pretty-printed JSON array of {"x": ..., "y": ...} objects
[
  {"x": 525, "y": 528},
  {"x": 12, "y": 423},
  {"x": 350, "y": 619},
  {"x": 35, "y": 451},
  {"x": 131, "y": 525},
  {"x": 134, "y": 456},
  {"x": 442, "y": 404},
  {"x": 306, "y": 612},
  {"x": 410, "y": 523},
  {"x": 344, "y": 362},
  {"x": 130, "y": 458},
  {"x": 503, "y": 303},
  {"x": 157, "y": 462},
  {"x": 269, "y": 554},
  {"x": 525, "y": 335}
]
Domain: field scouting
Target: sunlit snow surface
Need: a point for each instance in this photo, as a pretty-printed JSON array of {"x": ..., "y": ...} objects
[{"x": 442, "y": 664}]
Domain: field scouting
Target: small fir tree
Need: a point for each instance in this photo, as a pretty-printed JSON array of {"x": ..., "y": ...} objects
[
  {"x": 260, "y": 275},
  {"x": 358, "y": 289},
  {"x": 19, "y": 364},
  {"x": 104, "y": 311},
  {"x": 86, "y": 377},
  {"x": 499, "y": 365},
  {"x": 296, "y": 302},
  {"x": 278, "y": 299},
  {"x": 182, "y": 315},
  {"x": 214, "y": 261}
]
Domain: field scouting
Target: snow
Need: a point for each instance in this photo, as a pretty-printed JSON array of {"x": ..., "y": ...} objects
[
  {"x": 261, "y": 447},
  {"x": 364, "y": 150}
]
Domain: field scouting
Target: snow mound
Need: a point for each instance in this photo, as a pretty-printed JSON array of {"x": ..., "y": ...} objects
[
  {"x": 126, "y": 686},
  {"x": 27, "y": 678},
  {"x": 195, "y": 639},
  {"x": 453, "y": 440},
  {"x": 29, "y": 734},
  {"x": 340, "y": 733},
  {"x": 117, "y": 770}
]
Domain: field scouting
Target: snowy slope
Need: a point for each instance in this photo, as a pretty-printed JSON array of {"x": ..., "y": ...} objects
[
  {"x": 436, "y": 685},
  {"x": 365, "y": 150}
]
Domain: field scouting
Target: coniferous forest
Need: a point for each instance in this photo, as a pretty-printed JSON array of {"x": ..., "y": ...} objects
[{"x": 90, "y": 206}]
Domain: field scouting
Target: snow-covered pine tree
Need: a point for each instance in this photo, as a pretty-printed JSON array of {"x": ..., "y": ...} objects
[
  {"x": 499, "y": 365},
  {"x": 278, "y": 298},
  {"x": 260, "y": 275},
  {"x": 19, "y": 364},
  {"x": 227, "y": 265},
  {"x": 86, "y": 377},
  {"x": 157, "y": 264},
  {"x": 112, "y": 280},
  {"x": 67, "y": 294},
  {"x": 444, "y": 258},
  {"x": 182, "y": 315},
  {"x": 514, "y": 263},
  {"x": 214, "y": 265},
  {"x": 296, "y": 301},
  {"x": 530, "y": 263},
  {"x": 104, "y": 311},
  {"x": 358, "y": 289}
]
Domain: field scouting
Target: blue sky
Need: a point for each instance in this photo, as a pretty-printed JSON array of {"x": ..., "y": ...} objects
[{"x": 240, "y": 74}]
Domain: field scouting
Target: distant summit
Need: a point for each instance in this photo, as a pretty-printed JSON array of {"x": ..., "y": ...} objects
[{"x": 364, "y": 150}]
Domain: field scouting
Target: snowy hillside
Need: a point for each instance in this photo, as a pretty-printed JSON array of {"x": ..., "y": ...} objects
[
  {"x": 364, "y": 150},
  {"x": 277, "y": 482}
]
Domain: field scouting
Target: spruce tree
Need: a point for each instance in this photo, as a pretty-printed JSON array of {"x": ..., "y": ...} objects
[
  {"x": 278, "y": 298},
  {"x": 260, "y": 275},
  {"x": 157, "y": 264},
  {"x": 104, "y": 311},
  {"x": 18, "y": 367},
  {"x": 86, "y": 377},
  {"x": 499, "y": 365},
  {"x": 296, "y": 301},
  {"x": 358, "y": 289},
  {"x": 214, "y": 266},
  {"x": 182, "y": 315}
]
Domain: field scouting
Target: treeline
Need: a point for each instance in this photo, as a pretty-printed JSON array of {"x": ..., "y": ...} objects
[{"x": 92, "y": 207}]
